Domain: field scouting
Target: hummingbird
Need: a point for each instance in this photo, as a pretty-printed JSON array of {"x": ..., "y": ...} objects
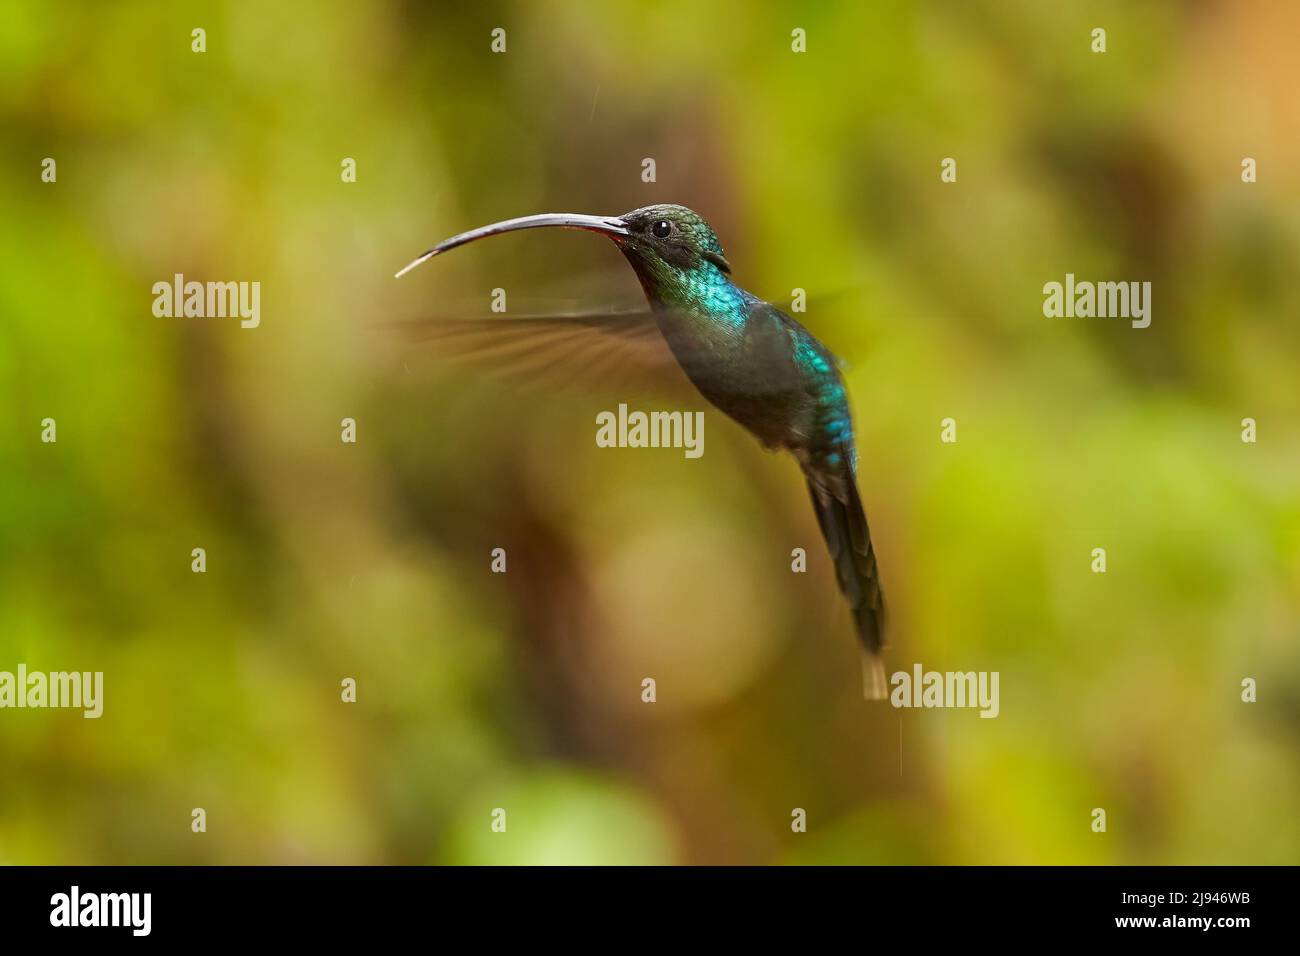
[{"x": 757, "y": 365}]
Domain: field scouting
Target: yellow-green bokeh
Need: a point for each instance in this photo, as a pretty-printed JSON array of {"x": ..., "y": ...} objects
[{"x": 523, "y": 691}]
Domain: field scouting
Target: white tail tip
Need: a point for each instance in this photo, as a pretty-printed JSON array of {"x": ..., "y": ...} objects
[{"x": 874, "y": 684}]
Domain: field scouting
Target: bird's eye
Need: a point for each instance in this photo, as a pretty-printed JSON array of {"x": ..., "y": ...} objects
[{"x": 662, "y": 228}]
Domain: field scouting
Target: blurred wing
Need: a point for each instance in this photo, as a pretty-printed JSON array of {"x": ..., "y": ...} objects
[
  {"x": 836, "y": 319},
  {"x": 609, "y": 351},
  {"x": 589, "y": 351}
]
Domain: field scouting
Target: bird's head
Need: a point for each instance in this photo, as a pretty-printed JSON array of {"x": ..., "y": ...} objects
[{"x": 672, "y": 235}]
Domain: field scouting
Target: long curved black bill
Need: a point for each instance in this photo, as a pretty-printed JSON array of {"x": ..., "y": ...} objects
[{"x": 609, "y": 225}]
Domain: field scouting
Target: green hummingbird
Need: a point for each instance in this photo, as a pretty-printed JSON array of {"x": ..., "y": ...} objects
[{"x": 754, "y": 363}]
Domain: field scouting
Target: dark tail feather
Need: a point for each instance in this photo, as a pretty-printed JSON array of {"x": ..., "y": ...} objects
[{"x": 844, "y": 526}]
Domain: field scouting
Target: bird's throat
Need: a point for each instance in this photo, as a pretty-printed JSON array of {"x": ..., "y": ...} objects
[{"x": 703, "y": 293}]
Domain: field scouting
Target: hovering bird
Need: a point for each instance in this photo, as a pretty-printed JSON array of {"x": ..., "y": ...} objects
[{"x": 756, "y": 364}]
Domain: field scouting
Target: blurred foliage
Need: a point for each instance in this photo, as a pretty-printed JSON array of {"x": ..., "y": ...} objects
[{"x": 522, "y": 691}]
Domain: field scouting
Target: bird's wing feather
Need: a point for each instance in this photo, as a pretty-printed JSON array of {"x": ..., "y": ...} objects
[{"x": 588, "y": 351}]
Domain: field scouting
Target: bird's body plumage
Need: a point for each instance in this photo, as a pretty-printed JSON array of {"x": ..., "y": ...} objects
[{"x": 763, "y": 369}]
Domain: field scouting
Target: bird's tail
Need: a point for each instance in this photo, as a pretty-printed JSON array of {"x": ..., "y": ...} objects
[{"x": 844, "y": 526}]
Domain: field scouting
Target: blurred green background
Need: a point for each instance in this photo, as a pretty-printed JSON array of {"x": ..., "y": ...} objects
[{"x": 523, "y": 691}]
